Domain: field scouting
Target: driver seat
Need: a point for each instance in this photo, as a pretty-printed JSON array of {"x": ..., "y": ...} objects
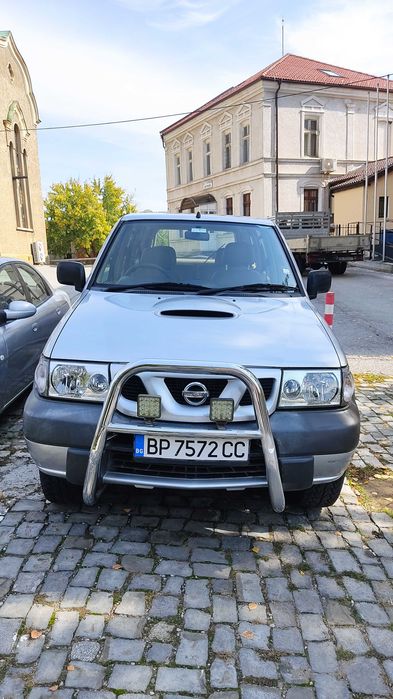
[{"x": 161, "y": 255}]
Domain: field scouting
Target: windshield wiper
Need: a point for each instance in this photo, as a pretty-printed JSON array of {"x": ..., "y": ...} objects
[
  {"x": 154, "y": 286},
  {"x": 259, "y": 286}
]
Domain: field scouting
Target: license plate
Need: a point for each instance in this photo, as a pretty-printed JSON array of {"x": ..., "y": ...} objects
[{"x": 168, "y": 447}]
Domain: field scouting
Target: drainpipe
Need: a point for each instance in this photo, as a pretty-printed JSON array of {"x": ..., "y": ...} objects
[{"x": 276, "y": 136}]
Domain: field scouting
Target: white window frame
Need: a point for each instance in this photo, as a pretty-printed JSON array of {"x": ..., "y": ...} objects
[
  {"x": 312, "y": 108},
  {"x": 177, "y": 168},
  {"x": 189, "y": 163},
  {"x": 245, "y": 125},
  {"x": 207, "y": 158},
  {"x": 311, "y": 132},
  {"x": 225, "y": 149}
]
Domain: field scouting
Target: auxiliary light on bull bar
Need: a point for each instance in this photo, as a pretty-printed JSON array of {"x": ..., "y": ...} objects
[
  {"x": 149, "y": 407},
  {"x": 221, "y": 410}
]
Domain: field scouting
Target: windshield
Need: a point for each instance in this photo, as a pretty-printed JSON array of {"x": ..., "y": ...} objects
[{"x": 197, "y": 254}]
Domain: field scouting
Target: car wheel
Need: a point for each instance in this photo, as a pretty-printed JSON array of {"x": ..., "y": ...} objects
[
  {"x": 337, "y": 267},
  {"x": 59, "y": 490},
  {"x": 321, "y": 495}
]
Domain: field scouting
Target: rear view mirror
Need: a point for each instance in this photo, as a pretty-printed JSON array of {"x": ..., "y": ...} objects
[
  {"x": 318, "y": 282},
  {"x": 71, "y": 273},
  {"x": 197, "y": 234}
]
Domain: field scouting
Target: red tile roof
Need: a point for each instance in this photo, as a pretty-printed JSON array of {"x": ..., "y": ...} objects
[
  {"x": 355, "y": 177},
  {"x": 296, "y": 69}
]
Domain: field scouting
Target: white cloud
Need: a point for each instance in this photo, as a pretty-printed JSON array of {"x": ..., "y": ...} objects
[
  {"x": 176, "y": 15},
  {"x": 353, "y": 34}
]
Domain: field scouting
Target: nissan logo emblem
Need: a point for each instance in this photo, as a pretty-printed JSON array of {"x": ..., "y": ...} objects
[{"x": 195, "y": 393}]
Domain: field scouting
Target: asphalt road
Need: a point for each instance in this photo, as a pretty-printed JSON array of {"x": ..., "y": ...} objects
[{"x": 363, "y": 318}]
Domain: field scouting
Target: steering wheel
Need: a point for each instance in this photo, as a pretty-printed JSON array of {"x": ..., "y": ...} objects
[{"x": 149, "y": 265}]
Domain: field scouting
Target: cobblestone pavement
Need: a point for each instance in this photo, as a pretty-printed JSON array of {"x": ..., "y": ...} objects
[{"x": 171, "y": 595}]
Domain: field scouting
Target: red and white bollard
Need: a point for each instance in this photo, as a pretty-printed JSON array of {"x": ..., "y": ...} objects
[{"x": 329, "y": 308}]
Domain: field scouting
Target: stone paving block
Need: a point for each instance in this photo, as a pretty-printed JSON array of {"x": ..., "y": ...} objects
[
  {"x": 20, "y": 547},
  {"x": 100, "y": 560},
  {"x": 270, "y": 568},
  {"x": 224, "y": 639},
  {"x": 10, "y": 566},
  {"x": 254, "y": 635},
  {"x": 317, "y": 561},
  {"x": 164, "y": 606},
  {"x": 16, "y": 606},
  {"x": 50, "y": 666},
  {"x": 47, "y": 544},
  {"x": 344, "y": 561},
  {"x": 54, "y": 585},
  {"x": 224, "y": 609},
  {"x": 100, "y": 602},
  {"x": 75, "y": 597},
  {"x": 300, "y": 693},
  {"x": 126, "y": 627},
  {"x": 174, "y": 568},
  {"x": 64, "y": 628},
  {"x": 161, "y": 631},
  {"x": 313, "y": 627},
  {"x": 85, "y": 650},
  {"x": 295, "y": 669},
  {"x": 328, "y": 686},
  {"x": 132, "y": 547},
  {"x": 8, "y": 633},
  {"x": 328, "y": 587},
  {"x": 196, "y": 620},
  {"x": 351, "y": 639},
  {"x": 381, "y": 640},
  {"x": 223, "y": 674},
  {"x": 91, "y": 626},
  {"x": 338, "y": 614},
  {"x": 38, "y": 616},
  {"x": 137, "y": 564},
  {"x": 148, "y": 582},
  {"x": 252, "y": 612},
  {"x": 132, "y": 603},
  {"x": 46, "y": 693},
  {"x": 365, "y": 677},
  {"x": 171, "y": 679},
  {"x": 252, "y": 691},
  {"x": 244, "y": 561},
  {"x": 211, "y": 570},
  {"x": 123, "y": 650},
  {"x": 252, "y": 665},
  {"x": 283, "y": 614},
  {"x": 322, "y": 657},
  {"x": 288, "y": 640},
  {"x": 85, "y": 674},
  {"x": 85, "y": 577},
  {"x": 248, "y": 587},
  {"x": 28, "y": 650},
  {"x": 29, "y": 530},
  {"x": 359, "y": 590},
  {"x": 196, "y": 594},
  {"x": 28, "y": 582},
  {"x": 175, "y": 553},
  {"x": 192, "y": 649},
  {"x": 372, "y": 613},
  {"x": 206, "y": 555},
  {"x": 111, "y": 579},
  {"x": 67, "y": 559},
  {"x": 307, "y": 601},
  {"x": 160, "y": 653},
  {"x": 278, "y": 590}
]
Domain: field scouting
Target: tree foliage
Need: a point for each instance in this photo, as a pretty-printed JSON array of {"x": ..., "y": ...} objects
[{"x": 80, "y": 215}]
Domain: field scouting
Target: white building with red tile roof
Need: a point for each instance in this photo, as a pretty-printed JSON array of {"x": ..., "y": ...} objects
[{"x": 273, "y": 142}]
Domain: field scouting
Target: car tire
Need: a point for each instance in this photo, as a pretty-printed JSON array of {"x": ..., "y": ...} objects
[
  {"x": 59, "y": 490},
  {"x": 337, "y": 267},
  {"x": 321, "y": 495}
]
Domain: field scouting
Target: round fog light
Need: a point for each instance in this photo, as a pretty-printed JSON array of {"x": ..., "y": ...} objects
[
  {"x": 98, "y": 383},
  {"x": 291, "y": 389}
]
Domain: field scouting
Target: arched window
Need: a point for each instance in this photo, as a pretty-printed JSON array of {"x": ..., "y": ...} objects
[{"x": 20, "y": 182}]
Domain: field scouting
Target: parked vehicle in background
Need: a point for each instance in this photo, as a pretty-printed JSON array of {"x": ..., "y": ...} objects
[
  {"x": 29, "y": 311},
  {"x": 315, "y": 241},
  {"x": 200, "y": 362}
]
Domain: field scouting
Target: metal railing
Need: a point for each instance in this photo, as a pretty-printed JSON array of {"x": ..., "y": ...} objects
[{"x": 95, "y": 479}]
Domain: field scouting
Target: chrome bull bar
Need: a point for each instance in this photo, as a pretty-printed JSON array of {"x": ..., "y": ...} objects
[{"x": 106, "y": 425}]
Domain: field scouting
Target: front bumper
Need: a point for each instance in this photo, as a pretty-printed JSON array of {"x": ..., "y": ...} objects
[{"x": 312, "y": 446}]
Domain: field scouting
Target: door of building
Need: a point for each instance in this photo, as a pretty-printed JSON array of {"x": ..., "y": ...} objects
[{"x": 310, "y": 200}]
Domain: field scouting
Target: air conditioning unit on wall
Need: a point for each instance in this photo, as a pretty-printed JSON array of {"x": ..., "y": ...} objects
[
  {"x": 38, "y": 251},
  {"x": 328, "y": 165}
]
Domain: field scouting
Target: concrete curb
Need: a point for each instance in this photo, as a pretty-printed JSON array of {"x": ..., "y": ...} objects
[{"x": 386, "y": 267}]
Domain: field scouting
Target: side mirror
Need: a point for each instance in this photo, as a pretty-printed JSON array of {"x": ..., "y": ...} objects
[
  {"x": 71, "y": 273},
  {"x": 318, "y": 282},
  {"x": 16, "y": 311}
]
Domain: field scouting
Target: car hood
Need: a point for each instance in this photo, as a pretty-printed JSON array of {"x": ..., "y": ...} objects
[{"x": 271, "y": 331}]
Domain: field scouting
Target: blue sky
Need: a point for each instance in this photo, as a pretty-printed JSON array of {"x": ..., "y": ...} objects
[{"x": 98, "y": 60}]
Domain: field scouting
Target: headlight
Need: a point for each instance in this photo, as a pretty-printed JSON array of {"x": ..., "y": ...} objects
[
  {"x": 310, "y": 388},
  {"x": 348, "y": 385},
  {"x": 84, "y": 381},
  {"x": 41, "y": 376}
]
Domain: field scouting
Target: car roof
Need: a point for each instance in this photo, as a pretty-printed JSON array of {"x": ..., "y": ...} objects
[
  {"x": 12, "y": 259},
  {"x": 205, "y": 218}
]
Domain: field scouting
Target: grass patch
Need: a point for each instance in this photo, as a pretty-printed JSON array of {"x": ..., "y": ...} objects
[
  {"x": 374, "y": 488},
  {"x": 52, "y": 620},
  {"x": 343, "y": 654}
]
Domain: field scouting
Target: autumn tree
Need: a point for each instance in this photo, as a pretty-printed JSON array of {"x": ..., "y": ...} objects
[{"x": 80, "y": 215}]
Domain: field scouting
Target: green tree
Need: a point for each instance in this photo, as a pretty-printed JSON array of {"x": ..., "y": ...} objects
[
  {"x": 80, "y": 215},
  {"x": 115, "y": 201}
]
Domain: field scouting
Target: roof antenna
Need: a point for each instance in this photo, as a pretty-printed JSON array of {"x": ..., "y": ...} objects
[
  {"x": 282, "y": 36},
  {"x": 198, "y": 214}
]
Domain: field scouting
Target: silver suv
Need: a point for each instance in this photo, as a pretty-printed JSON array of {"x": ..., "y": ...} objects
[{"x": 193, "y": 359}]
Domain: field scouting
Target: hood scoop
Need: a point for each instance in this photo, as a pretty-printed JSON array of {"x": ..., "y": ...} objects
[
  {"x": 192, "y": 306},
  {"x": 197, "y": 313}
]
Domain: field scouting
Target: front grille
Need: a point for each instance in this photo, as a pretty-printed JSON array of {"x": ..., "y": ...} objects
[
  {"x": 134, "y": 386},
  {"x": 120, "y": 459}
]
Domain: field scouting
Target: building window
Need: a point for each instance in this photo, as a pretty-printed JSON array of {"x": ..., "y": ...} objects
[
  {"x": 311, "y": 138},
  {"x": 177, "y": 170},
  {"x": 20, "y": 182},
  {"x": 190, "y": 175},
  {"x": 247, "y": 204},
  {"x": 227, "y": 144},
  {"x": 310, "y": 200},
  {"x": 229, "y": 206},
  {"x": 245, "y": 143},
  {"x": 381, "y": 207},
  {"x": 207, "y": 158}
]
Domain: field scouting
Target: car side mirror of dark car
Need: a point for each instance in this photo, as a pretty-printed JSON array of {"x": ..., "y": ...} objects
[
  {"x": 71, "y": 273},
  {"x": 318, "y": 282},
  {"x": 16, "y": 311}
]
